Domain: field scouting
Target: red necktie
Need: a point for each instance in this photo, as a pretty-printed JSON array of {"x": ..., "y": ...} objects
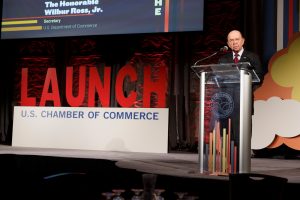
[{"x": 236, "y": 58}]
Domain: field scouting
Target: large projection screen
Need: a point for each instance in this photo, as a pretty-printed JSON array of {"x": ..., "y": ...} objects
[{"x": 58, "y": 18}]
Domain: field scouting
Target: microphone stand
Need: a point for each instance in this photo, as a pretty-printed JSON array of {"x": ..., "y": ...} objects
[
  {"x": 192, "y": 67},
  {"x": 215, "y": 79},
  {"x": 225, "y": 48},
  {"x": 205, "y": 58}
]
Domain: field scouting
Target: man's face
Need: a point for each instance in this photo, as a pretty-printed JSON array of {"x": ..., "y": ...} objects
[{"x": 235, "y": 41}]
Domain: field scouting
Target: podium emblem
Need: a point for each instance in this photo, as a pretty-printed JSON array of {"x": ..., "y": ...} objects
[{"x": 222, "y": 105}]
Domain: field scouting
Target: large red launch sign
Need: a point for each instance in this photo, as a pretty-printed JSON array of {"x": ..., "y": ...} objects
[{"x": 90, "y": 86}]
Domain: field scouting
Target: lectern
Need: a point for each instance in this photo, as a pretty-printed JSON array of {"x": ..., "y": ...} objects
[{"x": 225, "y": 117}]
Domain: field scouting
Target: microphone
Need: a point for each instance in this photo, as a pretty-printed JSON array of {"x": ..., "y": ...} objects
[{"x": 223, "y": 49}]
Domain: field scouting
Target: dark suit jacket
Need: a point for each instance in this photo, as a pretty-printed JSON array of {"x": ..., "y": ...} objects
[{"x": 247, "y": 56}]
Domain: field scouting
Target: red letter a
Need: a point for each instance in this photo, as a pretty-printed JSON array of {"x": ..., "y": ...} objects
[{"x": 47, "y": 96}]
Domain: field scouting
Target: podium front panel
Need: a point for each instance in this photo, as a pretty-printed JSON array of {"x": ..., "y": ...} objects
[
  {"x": 220, "y": 106},
  {"x": 225, "y": 121}
]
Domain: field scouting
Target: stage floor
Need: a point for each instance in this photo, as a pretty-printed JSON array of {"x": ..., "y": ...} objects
[{"x": 173, "y": 164}]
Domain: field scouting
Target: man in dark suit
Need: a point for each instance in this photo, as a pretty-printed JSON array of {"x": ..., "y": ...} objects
[
  {"x": 235, "y": 41},
  {"x": 238, "y": 54}
]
